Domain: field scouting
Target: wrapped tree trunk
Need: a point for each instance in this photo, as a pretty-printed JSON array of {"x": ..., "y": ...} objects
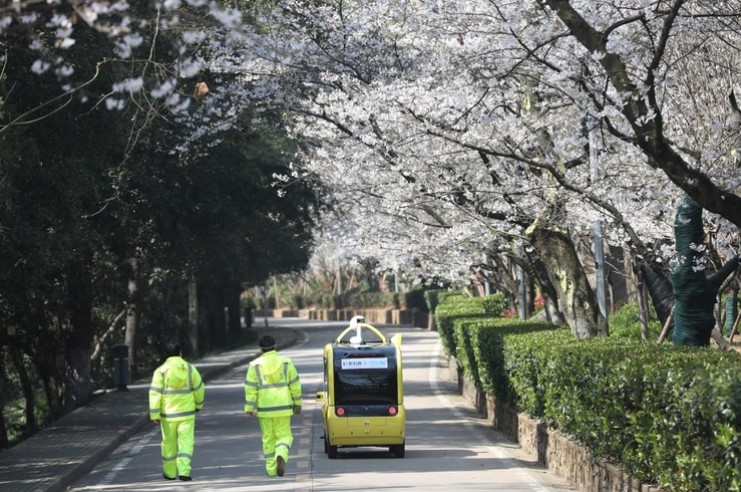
[
  {"x": 731, "y": 310},
  {"x": 694, "y": 293}
]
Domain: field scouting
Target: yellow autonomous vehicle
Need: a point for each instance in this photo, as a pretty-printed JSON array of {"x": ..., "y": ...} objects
[{"x": 363, "y": 396}]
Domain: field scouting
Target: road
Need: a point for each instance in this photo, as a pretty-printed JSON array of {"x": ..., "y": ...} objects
[{"x": 448, "y": 446}]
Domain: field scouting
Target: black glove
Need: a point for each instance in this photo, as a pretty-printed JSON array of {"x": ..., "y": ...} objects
[{"x": 296, "y": 409}]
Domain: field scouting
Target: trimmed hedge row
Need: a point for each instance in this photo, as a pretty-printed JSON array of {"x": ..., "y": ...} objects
[
  {"x": 413, "y": 299},
  {"x": 670, "y": 416},
  {"x": 457, "y": 306}
]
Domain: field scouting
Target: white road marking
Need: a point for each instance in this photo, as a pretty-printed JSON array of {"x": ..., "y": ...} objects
[
  {"x": 136, "y": 449},
  {"x": 517, "y": 469}
]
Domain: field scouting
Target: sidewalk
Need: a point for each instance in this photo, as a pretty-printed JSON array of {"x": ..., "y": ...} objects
[{"x": 60, "y": 454}]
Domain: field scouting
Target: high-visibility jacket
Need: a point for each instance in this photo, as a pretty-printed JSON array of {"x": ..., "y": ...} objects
[
  {"x": 177, "y": 391},
  {"x": 272, "y": 386}
]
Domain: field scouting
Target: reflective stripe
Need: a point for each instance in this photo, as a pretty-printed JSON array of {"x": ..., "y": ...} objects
[
  {"x": 179, "y": 414},
  {"x": 155, "y": 388},
  {"x": 250, "y": 403},
  {"x": 284, "y": 445},
  {"x": 270, "y": 455},
  {"x": 199, "y": 403},
  {"x": 185, "y": 455},
  {"x": 250, "y": 384},
  {"x": 262, "y": 385},
  {"x": 275, "y": 385},
  {"x": 275, "y": 409},
  {"x": 190, "y": 377},
  {"x": 198, "y": 387},
  {"x": 171, "y": 458},
  {"x": 294, "y": 380},
  {"x": 176, "y": 392}
]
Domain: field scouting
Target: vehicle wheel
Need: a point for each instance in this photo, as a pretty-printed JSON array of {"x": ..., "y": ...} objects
[
  {"x": 326, "y": 443},
  {"x": 398, "y": 450},
  {"x": 331, "y": 451}
]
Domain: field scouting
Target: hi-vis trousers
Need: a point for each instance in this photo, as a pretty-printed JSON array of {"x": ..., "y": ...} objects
[
  {"x": 276, "y": 441},
  {"x": 177, "y": 447}
]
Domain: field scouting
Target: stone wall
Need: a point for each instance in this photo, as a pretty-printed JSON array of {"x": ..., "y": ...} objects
[{"x": 559, "y": 454}]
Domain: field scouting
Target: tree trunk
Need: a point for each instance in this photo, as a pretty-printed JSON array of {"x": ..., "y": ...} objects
[
  {"x": 234, "y": 322},
  {"x": 662, "y": 296},
  {"x": 692, "y": 294},
  {"x": 501, "y": 277},
  {"x": 193, "y": 315},
  {"x": 50, "y": 377},
  {"x": 131, "y": 315},
  {"x": 576, "y": 299},
  {"x": 29, "y": 395},
  {"x": 643, "y": 309},
  {"x": 539, "y": 273},
  {"x": 4, "y": 442},
  {"x": 694, "y": 299},
  {"x": 78, "y": 385}
]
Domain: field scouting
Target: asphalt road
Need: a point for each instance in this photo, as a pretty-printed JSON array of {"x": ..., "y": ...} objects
[{"x": 448, "y": 446}]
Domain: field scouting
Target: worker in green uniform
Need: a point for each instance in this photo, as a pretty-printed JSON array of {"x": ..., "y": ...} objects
[
  {"x": 273, "y": 392},
  {"x": 175, "y": 396}
]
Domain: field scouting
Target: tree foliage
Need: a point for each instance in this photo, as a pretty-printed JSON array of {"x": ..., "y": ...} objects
[{"x": 94, "y": 200}]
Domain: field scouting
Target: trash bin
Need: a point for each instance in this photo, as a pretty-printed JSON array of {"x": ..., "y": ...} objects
[{"x": 121, "y": 369}]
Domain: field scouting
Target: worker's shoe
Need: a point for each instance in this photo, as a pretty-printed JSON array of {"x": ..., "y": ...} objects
[
  {"x": 167, "y": 478},
  {"x": 281, "y": 466},
  {"x": 185, "y": 478}
]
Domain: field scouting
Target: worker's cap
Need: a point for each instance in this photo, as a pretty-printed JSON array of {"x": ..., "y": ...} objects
[{"x": 267, "y": 342}]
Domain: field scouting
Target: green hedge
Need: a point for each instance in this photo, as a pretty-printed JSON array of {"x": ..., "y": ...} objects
[
  {"x": 626, "y": 323},
  {"x": 457, "y": 306},
  {"x": 433, "y": 297},
  {"x": 670, "y": 416}
]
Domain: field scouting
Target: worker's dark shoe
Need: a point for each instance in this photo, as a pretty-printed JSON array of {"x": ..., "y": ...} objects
[
  {"x": 185, "y": 478},
  {"x": 281, "y": 466},
  {"x": 167, "y": 478}
]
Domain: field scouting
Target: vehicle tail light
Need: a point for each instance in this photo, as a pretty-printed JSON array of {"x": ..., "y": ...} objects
[
  {"x": 392, "y": 410},
  {"x": 340, "y": 411}
]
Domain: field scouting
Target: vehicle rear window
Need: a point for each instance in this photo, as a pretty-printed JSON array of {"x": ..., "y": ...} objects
[{"x": 365, "y": 380}]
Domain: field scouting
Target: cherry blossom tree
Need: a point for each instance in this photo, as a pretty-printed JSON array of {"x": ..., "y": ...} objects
[
  {"x": 452, "y": 129},
  {"x": 527, "y": 121}
]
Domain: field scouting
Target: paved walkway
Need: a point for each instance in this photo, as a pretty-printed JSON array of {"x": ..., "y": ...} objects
[{"x": 60, "y": 454}]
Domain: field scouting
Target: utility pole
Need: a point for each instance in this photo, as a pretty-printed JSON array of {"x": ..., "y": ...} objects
[
  {"x": 339, "y": 278},
  {"x": 487, "y": 287},
  {"x": 521, "y": 285},
  {"x": 275, "y": 289},
  {"x": 599, "y": 250}
]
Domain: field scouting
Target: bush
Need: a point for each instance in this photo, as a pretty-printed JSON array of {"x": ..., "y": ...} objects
[
  {"x": 456, "y": 307},
  {"x": 414, "y": 299},
  {"x": 670, "y": 416},
  {"x": 626, "y": 323}
]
